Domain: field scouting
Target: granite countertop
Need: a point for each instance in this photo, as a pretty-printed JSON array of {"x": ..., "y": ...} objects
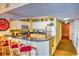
[
  {"x": 34, "y": 33},
  {"x": 32, "y": 39}
]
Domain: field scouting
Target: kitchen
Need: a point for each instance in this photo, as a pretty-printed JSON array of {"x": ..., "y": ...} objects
[{"x": 36, "y": 32}]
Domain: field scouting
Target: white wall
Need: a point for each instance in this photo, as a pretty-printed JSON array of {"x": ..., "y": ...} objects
[
  {"x": 74, "y": 33},
  {"x": 77, "y": 32}
]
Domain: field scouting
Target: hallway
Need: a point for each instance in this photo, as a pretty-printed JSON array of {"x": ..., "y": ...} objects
[{"x": 65, "y": 48}]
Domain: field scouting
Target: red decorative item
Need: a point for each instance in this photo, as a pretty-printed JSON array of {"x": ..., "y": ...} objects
[
  {"x": 4, "y": 24},
  {"x": 25, "y": 49}
]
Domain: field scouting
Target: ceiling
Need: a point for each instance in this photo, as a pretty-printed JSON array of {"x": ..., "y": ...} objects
[
  {"x": 59, "y": 10},
  {"x": 4, "y": 7}
]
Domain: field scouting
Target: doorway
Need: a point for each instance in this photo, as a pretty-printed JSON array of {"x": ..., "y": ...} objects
[{"x": 65, "y": 30}]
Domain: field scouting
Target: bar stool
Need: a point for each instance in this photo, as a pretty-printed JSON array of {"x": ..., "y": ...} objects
[
  {"x": 14, "y": 49},
  {"x": 0, "y": 49},
  {"x": 5, "y": 48},
  {"x": 25, "y": 50}
]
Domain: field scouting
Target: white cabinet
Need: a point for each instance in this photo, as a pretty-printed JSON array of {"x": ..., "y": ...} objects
[{"x": 40, "y": 25}]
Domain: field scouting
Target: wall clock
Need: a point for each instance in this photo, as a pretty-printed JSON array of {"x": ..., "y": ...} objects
[{"x": 4, "y": 24}]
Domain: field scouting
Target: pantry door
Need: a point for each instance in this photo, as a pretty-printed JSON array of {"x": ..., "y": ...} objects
[{"x": 65, "y": 30}]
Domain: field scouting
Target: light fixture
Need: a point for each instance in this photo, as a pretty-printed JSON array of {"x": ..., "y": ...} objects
[{"x": 66, "y": 20}]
